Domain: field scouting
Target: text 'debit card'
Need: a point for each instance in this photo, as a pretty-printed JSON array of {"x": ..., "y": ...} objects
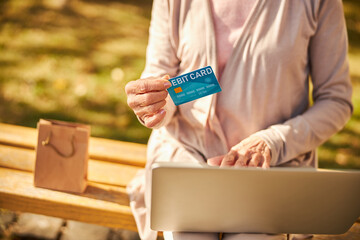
[{"x": 193, "y": 85}]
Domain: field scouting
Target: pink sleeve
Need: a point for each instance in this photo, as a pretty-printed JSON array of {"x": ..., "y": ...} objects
[
  {"x": 161, "y": 56},
  {"x": 331, "y": 90}
]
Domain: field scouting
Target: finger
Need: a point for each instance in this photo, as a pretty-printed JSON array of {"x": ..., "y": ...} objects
[
  {"x": 267, "y": 158},
  {"x": 215, "y": 161},
  {"x": 147, "y": 85},
  {"x": 149, "y": 110},
  {"x": 260, "y": 147},
  {"x": 229, "y": 159},
  {"x": 151, "y": 121},
  {"x": 241, "y": 161},
  {"x": 245, "y": 156},
  {"x": 146, "y": 99},
  {"x": 166, "y": 77},
  {"x": 255, "y": 160},
  {"x": 265, "y": 165}
]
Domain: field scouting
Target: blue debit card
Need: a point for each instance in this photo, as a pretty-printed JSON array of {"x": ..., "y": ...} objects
[{"x": 193, "y": 85}]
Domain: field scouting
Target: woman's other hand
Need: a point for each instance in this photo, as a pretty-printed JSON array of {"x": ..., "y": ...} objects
[
  {"x": 251, "y": 152},
  {"x": 147, "y": 97}
]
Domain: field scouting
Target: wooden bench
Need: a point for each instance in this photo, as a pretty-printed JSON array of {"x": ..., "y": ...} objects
[{"x": 105, "y": 202}]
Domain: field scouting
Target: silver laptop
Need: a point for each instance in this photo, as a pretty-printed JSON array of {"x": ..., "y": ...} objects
[{"x": 197, "y": 198}]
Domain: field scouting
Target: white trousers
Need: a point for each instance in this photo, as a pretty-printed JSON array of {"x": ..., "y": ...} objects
[{"x": 231, "y": 236}]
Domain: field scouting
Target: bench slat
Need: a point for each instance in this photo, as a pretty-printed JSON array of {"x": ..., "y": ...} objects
[
  {"x": 17, "y": 158},
  {"x": 101, "y": 149},
  {"x": 100, "y": 204},
  {"x": 17, "y": 135},
  {"x": 98, "y": 171},
  {"x": 118, "y": 151}
]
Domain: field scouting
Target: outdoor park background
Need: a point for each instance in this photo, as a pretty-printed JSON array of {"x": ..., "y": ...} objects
[{"x": 70, "y": 60}]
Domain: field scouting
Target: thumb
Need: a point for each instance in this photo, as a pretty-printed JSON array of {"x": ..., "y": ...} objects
[
  {"x": 166, "y": 77},
  {"x": 215, "y": 161}
]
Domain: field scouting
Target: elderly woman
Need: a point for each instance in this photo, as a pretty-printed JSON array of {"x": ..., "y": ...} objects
[{"x": 264, "y": 54}]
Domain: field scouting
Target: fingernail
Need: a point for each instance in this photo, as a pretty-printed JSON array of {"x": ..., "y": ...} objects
[
  {"x": 162, "y": 111},
  {"x": 167, "y": 77},
  {"x": 167, "y": 84}
]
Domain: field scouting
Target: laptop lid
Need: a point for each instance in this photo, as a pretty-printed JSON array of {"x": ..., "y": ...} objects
[{"x": 194, "y": 198}]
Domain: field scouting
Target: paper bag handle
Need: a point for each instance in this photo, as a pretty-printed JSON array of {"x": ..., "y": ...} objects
[{"x": 46, "y": 142}]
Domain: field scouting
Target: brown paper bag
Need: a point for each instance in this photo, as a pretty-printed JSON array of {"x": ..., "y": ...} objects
[{"x": 62, "y": 156}]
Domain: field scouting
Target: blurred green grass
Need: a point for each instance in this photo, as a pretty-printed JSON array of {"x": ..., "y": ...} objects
[{"x": 70, "y": 60}]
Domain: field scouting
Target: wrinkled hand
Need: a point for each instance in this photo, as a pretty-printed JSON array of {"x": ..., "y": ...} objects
[
  {"x": 146, "y": 97},
  {"x": 251, "y": 152}
]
